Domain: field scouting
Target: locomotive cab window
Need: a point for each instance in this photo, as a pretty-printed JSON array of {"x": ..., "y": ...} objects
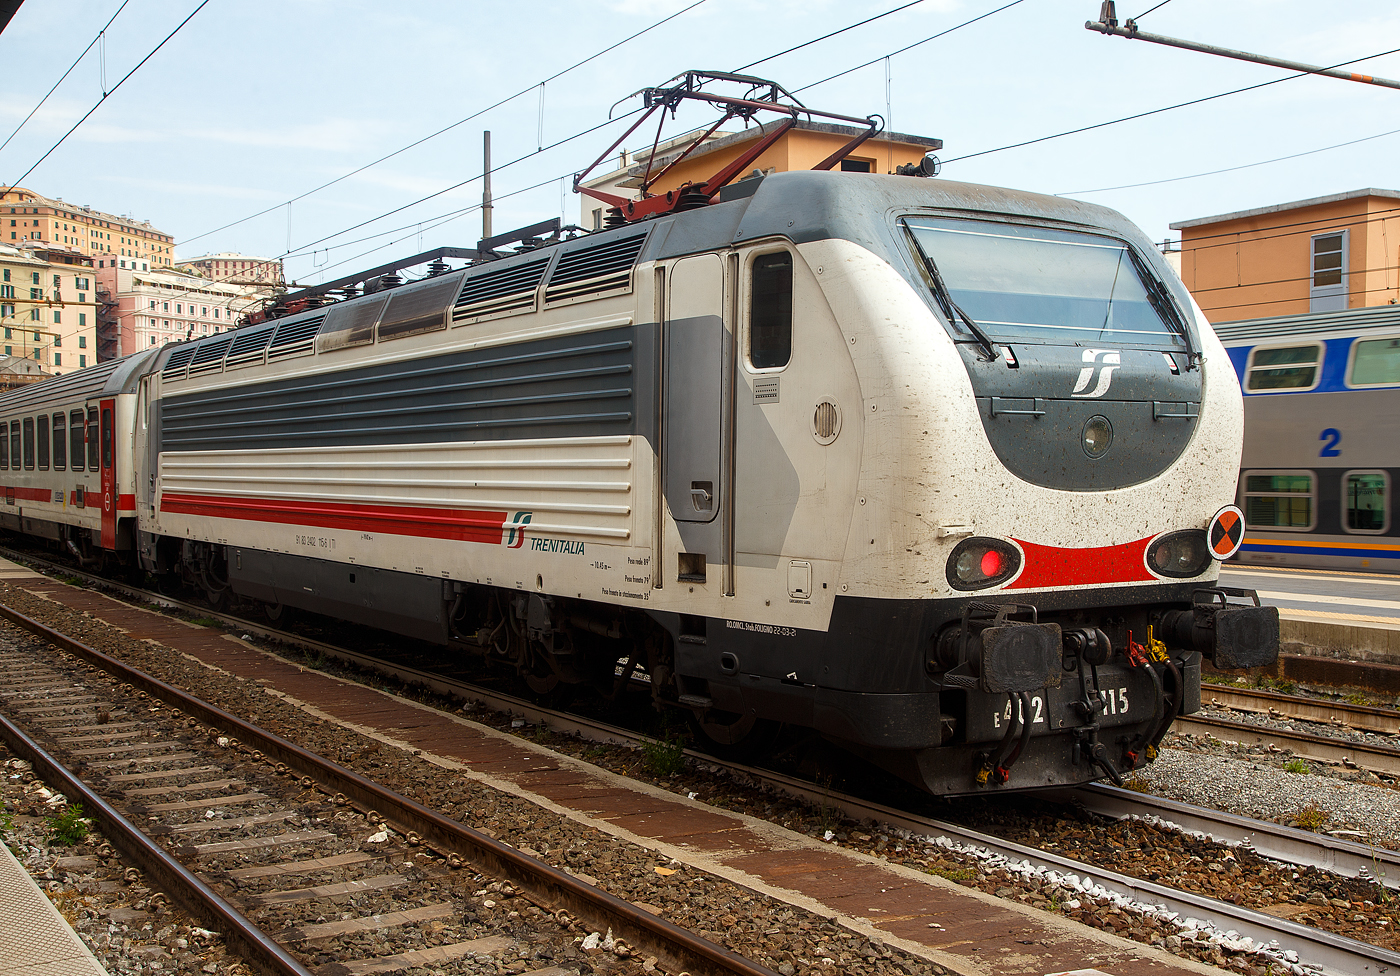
[
  {"x": 29, "y": 443},
  {"x": 60, "y": 446},
  {"x": 1365, "y": 501},
  {"x": 1375, "y": 362},
  {"x": 1279, "y": 500},
  {"x": 75, "y": 439},
  {"x": 770, "y": 311},
  {"x": 43, "y": 428},
  {"x": 1284, "y": 368},
  {"x": 1020, "y": 282}
]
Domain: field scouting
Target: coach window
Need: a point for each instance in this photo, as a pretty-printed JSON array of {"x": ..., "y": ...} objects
[
  {"x": 29, "y": 443},
  {"x": 1375, "y": 362},
  {"x": 1364, "y": 501},
  {"x": 1279, "y": 499},
  {"x": 4, "y": 446},
  {"x": 1284, "y": 368},
  {"x": 43, "y": 442},
  {"x": 14, "y": 445},
  {"x": 106, "y": 438},
  {"x": 75, "y": 439},
  {"x": 770, "y": 311},
  {"x": 92, "y": 438},
  {"x": 60, "y": 452}
]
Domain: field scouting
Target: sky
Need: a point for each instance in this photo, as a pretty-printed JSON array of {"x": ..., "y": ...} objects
[{"x": 252, "y": 105}]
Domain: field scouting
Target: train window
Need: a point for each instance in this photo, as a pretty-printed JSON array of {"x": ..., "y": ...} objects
[
  {"x": 106, "y": 438},
  {"x": 60, "y": 446},
  {"x": 4, "y": 446},
  {"x": 29, "y": 443},
  {"x": 770, "y": 311},
  {"x": 43, "y": 430},
  {"x": 1375, "y": 362},
  {"x": 14, "y": 445},
  {"x": 1284, "y": 368},
  {"x": 75, "y": 439},
  {"x": 1021, "y": 282},
  {"x": 1278, "y": 499},
  {"x": 92, "y": 438},
  {"x": 1364, "y": 501}
]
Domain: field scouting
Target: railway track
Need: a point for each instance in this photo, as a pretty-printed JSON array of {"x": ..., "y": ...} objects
[
  {"x": 214, "y": 791},
  {"x": 1329, "y": 951}
]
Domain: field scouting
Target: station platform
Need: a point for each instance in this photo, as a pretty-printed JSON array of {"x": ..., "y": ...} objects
[{"x": 35, "y": 940}]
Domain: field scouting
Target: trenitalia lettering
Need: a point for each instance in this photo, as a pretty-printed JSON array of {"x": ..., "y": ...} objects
[{"x": 557, "y": 545}]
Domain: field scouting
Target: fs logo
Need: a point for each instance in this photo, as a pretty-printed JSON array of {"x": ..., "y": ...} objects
[
  {"x": 515, "y": 531},
  {"x": 1110, "y": 361}
]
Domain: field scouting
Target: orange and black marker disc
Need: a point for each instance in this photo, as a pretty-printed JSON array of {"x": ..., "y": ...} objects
[{"x": 1225, "y": 532}]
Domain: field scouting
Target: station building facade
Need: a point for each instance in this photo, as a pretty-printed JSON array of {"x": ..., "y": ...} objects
[
  {"x": 111, "y": 241},
  {"x": 151, "y": 308},
  {"x": 228, "y": 267},
  {"x": 48, "y": 308}
]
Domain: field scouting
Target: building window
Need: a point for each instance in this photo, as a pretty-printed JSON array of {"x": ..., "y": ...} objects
[
  {"x": 82, "y": 342},
  {"x": 7, "y": 270},
  {"x": 153, "y": 340},
  {"x": 1328, "y": 292},
  {"x": 167, "y": 306},
  {"x": 855, "y": 166},
  {"x": 82, "y": 319},
  {"x": 34, "y": 314},
  {"x": 58, "y": 340},
  {"x": 1283, "y": 368},
  {"x": 82, "y": 361},
  {"x": 58, "y": 359},
  {"x": 57, "y": 317},
  {"x": 1278, "y": 500},
  {"x": 35, "y": 276},
  {"x": 770, "y": 311}
]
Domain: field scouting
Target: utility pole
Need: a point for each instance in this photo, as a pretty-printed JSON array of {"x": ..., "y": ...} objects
[
  {"x": 486, "y": 185},
  {"x": 1108, "y": 24}
]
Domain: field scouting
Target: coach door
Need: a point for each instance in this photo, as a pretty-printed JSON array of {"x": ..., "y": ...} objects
[
  {"x": 108, "y": 455},
  {"x": 697, "y": 355}
]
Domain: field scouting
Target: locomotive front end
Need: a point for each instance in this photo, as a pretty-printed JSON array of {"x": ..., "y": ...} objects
[{"x": 1069, "y": 431}]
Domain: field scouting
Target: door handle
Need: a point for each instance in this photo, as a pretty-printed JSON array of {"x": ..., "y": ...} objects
[{"x": 701, "y": 499}]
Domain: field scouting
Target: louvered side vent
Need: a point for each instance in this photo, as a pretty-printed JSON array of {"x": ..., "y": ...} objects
[
  {"x": 499, "y": 291},
  {"x": 248, "y": 347},
  {"x": 422, "y": 308},
  {"x": 597, "y": 269},
  {"x": 209, "y": 356},
  {"x": 175, "y": 365},
  {"x": 295, "y": 337},
  {"x": 350, "y": 324}
]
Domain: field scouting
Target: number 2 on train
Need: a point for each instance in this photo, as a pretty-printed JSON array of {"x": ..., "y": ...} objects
[{"x": 1333, "y": 437}]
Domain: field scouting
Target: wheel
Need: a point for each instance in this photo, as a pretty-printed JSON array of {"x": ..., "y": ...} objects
[
  {"x": 729, "y": 735},
  {"x": 545, "y": 684},
  {"x": 277, "y": 612},
  {"x": 217, "y": 599}
]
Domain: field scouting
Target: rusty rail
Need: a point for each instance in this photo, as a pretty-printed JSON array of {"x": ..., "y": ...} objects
[{"x": 676, "y": 948}]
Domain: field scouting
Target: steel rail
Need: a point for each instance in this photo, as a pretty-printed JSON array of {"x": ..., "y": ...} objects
[
  {"x": 677, "y": 948},
  {"x": 256, "y": 947},
  {"x": 1339, "y": 752},
  {"x": 1320, "y": 711},
  {"x": 1287, "y": 844}
]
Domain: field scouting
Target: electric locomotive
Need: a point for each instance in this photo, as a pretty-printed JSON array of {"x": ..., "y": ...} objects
[{"x": 940, "y": 472}]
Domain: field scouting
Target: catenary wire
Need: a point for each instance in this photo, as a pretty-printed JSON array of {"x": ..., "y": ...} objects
[
  {"x": 1229, "y": 169},
  {"x": 434, "y": 135},
  {"x": 910, "y": 47},
  {"x": 1336, "y": 223},
  {"x": 1158, "y": 111},
  {"x": 1149, "y": 10},
  {"x": 60, "y": 81},
  {"x": 108, "y": 94},
  {"x": 849, "y": 27}
]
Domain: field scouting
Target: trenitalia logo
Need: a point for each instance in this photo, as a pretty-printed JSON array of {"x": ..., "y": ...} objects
[
  {"x": 515, "y": 530},
  {"x": 1111, "y": 360}
]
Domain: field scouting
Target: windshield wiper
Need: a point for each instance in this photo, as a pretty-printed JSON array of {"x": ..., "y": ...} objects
[
  {"x": 944, "y": 297},
  {"x": 1165, "y": 307}
]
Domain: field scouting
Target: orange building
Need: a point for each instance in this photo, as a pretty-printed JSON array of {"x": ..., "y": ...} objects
[
  {"x": 1325, "y": 254},
  {"x": 112, "y": 241},
  {"x": 801, "y": 147}
]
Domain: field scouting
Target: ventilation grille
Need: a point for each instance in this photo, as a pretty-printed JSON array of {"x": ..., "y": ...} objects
[
  {"x": 500, "y": 290},
  {"x": 414, "y": 311},
  {"x": 248, "y": 347},
  {"x": 294, "y": 338},
  {"x": 175, "y": 365},
  {"x": 350, "y": 324},
  {"x": 591, "y": 271},
  {"x": 826, "y": 421},
  {"x": 209, "y": 356}
]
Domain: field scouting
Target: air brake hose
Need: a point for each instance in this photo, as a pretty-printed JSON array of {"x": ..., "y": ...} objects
[{"x": 1007, "y": 753}]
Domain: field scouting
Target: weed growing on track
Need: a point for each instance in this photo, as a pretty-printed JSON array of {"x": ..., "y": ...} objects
[
  {"x": 1297, "y": 766},
  {"x": 68, "y": 827},
  {"x": 7, "y": 821},
  {"x": 1311, "y": 818},
  {"x": 206, "y": 622},
  {"x": 1137, "y": 784},
  {"x": 664, "y": 756}
]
